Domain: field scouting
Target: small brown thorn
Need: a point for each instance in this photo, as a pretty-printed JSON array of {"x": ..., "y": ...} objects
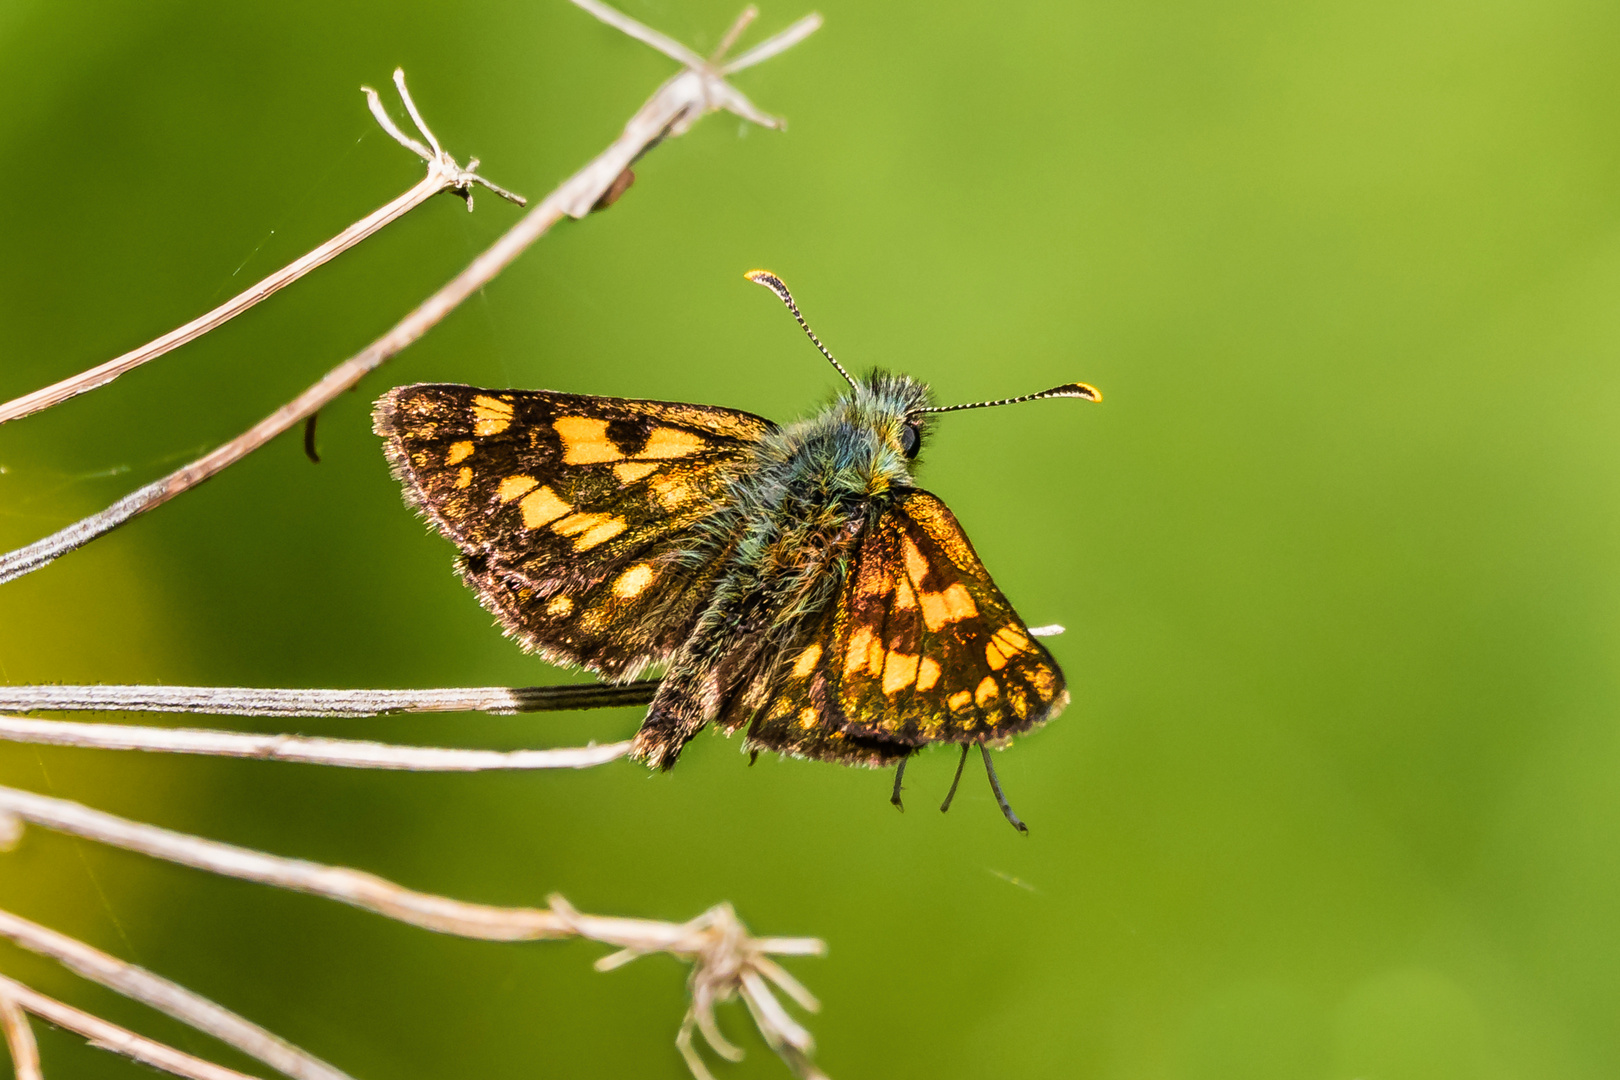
[
  {"x": 620, "y": 185},
  {"x": 309, "y": 438}
]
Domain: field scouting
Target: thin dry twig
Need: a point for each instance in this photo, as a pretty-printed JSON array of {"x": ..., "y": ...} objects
[
  {"x": 696, "y": 91},
  {"x": 255, "y": 701},
  {"x": 19, "y": 1040},
  {"x": 109, "y": 1036},
  {"x": 727, "y": 960},
  {"x": 352, "y": 887},
  {"x": 734, "y": 32},
  {"x": 138, "y": 984},
  {"x": 772, "y": 46},
  {"x": 443, "y": 175},
  {"x": 346, "y": 753}
]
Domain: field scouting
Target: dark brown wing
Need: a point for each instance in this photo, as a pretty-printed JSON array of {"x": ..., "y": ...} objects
[
  {"x": 575, "y": 515},
  {"x": 920, "y": 646}
]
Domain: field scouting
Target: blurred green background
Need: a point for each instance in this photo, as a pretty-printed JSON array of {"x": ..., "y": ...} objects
[{"x": 1337, "y": 797}]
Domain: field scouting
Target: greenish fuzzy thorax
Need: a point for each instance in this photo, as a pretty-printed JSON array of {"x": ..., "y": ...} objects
[
  {"x": 815, "y": 477},
  {"x": 847, "y": 453},
  {"x": 794, "y": 513}
]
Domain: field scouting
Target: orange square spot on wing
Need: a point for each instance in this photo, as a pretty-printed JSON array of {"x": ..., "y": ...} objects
[
  {"x": 899, "y": 671},
  {"x": 940, "y": 609},
  {"x": 927, "y": 674},
  {"x": 585, "y": 440},
  {"x": 860, "y": 642},
  {"x": 668, "y": 442},
  {"x": 515, "y": 487},
  {"x": 634, "y": 581},
  {"x": 491, "y": 416},
  {"x": 629, "y": 472},
  {"x": 806, "y": 663},
  {"x": 542, "y": 507}
]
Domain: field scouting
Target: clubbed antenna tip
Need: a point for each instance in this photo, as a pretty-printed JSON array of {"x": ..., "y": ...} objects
[
  {"x": 1084, "y": 391},
  {"x": 1074, "y": 389},
  {"x": 779, "y": 287}
]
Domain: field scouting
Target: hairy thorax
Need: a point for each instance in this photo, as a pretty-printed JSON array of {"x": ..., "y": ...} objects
[
  {"x": 815, "y": 477},
  {"x": 793, "y": 516}
]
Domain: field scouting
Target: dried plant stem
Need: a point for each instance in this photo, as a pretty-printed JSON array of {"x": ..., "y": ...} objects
[
  {"x": 252, "y": 701},
  {"x": 138, "y": 984},
  {"x": 354, "y": 887},
  {"x": 346, "y": 753},
  {"x": 19, "y": 1040},
  {"x": 119, "y": 1040},
  {"x": 443, "y": 175},
  {"x": 672, "y": 110},
  {"x": 727, "y": 960}
]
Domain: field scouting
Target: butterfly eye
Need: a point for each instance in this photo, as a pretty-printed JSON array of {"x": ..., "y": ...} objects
[{"x": 910, "y": 440}]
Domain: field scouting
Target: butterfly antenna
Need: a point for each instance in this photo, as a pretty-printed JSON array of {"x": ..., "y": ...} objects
[
  {"x": 995, "y": 786},
  {"x": 1081, "y": 390},
  {"x": 957, "y": 779},
  {"x": 779, "y": 287},
  {"x": 899, "y": 772}
]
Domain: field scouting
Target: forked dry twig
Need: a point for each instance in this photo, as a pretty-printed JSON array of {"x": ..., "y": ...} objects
[
  {"x": 727, "y": 960},
  {"x": 443, "y": 175},
  {"x": 439, "y": 161},
  {"x": 699, "y": 89}
]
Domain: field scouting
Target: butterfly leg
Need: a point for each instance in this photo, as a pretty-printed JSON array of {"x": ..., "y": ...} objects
[
  {"x": 957, "y": 779},
  {"x": 899, "y": 771},
  {"x": 995, "y": 786}
]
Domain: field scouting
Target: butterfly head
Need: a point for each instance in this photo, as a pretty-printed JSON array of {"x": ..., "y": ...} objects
[
  {"x": 893, "y": 406},
  {"x": 862, "y": 444}
]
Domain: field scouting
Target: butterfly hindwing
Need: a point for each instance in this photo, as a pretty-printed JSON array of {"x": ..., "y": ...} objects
[
  {"x": 573, "y": 514},
  {"x": 800, "y": 714},
  {"x": 952, "y": 660},
  {"x": 919, "y": 646}
]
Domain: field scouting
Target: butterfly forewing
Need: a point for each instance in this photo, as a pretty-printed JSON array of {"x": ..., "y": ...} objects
[{"x": 575, "y": 515}]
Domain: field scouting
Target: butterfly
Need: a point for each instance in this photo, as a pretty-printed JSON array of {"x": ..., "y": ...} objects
[{"x": 791, "y": 579}]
